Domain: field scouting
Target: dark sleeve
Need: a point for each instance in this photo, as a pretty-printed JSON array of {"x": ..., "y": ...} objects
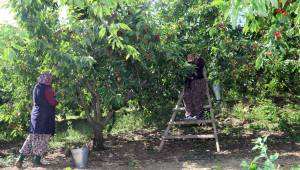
[
  {"x": 35, "y": 96},
  {"x": 200, "y": 63},
  {"x": 49, "y": 94},
  {"x": 38, "y": 96}
]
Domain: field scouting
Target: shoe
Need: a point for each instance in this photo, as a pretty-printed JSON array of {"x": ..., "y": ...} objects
[
  {"x": 19, "y": 164},
  {"x": 189, "y": 117},
  {"x": 20, "y": 160},
  {"x": 37, "y": 161}
]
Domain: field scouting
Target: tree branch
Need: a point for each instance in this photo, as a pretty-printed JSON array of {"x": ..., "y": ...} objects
[
  {"x": 108, "y": 117},
  {"x": 86, "y": 108}
]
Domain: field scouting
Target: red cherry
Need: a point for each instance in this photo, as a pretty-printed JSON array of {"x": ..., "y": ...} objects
[
  {"x": 157, "y": 36},
  {"x": 279, "y": 11},
  {"x": 277, "y": 35}
]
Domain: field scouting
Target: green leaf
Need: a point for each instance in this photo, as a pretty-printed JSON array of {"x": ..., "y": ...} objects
[
  {"x": 255, "y": 4},
  {"x": 100, "y": 11},
  {"x": 274, "y": 157},
  {"x": 268, "y": 165},
  {"x": 79, "y": 3},
  {"x": 107, "y": 11},
  {"x": 253, "y": 166},
  {"x": 124, "y": 26},
  {"x": 255, "y": 147},
  {"x": 265, "y": 139},
  {"x": 8, "y": 54},
  {"x": 274, "y": 3},
  {"x": 258, "y": 140},
  {"x": 68, "y": 168},
  {"x": 127, "y": 57},
  {"x": 29, "y": 2},
  {"x": 282, "y": 50},
  {"x": 263, "y": 8},
  {"x": 212, "y": 31},
  {"x": 259, "y": 63},
  {"x": 132, "y": 52},
  {"x": 244, "y": 165},
  {"x": 283, "y": 2},
  {"x": 102, "y": 32},
  {"x": 218, "y": 3}
]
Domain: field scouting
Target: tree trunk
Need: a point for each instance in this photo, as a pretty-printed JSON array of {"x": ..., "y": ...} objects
[{"x": 98, "y": 140}]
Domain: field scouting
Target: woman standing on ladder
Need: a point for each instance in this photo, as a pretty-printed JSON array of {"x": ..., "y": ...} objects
[{"x": 195, "y": 89}]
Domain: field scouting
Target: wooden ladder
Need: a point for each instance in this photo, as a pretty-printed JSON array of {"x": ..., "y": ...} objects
[{"x": 179, "y": 108}]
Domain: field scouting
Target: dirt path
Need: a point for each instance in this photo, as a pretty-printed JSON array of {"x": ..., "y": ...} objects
[{"x": 140, "y": 152}]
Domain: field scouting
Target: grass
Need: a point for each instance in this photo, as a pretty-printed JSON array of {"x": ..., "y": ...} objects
[
  {"x": 264, "y": 115},
  {"x": 127, "y": 122},
  {"x": 7, "y": 160},
  {"x": 72, "y": 132},
  {"x": 296, "y": 167},
  {"x": 67, "y": 138},
  {"x": 133, "y": 163},
  {"x": 3, "y": 138}
]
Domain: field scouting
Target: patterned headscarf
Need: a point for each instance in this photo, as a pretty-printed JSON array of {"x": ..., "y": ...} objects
[{"x": 45, "y": 78}]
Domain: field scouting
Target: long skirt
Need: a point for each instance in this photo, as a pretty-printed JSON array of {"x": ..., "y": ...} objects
[
  {"x": 35, "y": 144},
  {"x": 194, "y": 96}
]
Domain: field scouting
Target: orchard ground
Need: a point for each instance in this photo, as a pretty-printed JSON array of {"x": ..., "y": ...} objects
[{"x": 138, "y": 150}]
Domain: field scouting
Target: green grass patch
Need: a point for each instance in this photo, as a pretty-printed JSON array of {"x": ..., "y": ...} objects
[
  {"x": 266, "y": 115},
  {"x": 78, "y": 131},
  {"x": 7, "y": 161},
  {"x": 127, "y": 123}
]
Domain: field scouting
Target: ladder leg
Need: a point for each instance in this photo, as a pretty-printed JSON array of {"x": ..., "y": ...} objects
[
  {"x": 215, "y": 132},
  {"x": 170, "y": 122},
  {"x": 166, "y": 131},
  {"x": 211, "y": 111},
  {"x": 163, "y": 138}
]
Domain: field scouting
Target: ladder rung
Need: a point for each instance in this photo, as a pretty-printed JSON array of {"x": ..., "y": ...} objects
[
  {"x": 183, "y": 108},
  {"x": 189, "y": 122},
  {"x": 208, "y": 136}
]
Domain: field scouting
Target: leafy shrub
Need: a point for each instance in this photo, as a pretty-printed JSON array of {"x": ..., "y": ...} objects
[
  {"x": 268, "y": 161},
  {"x": 241, "y": 111},
  {"x": 290, "y": 120},
  {"x": 296, "y": 168},
  {"x": 264, "y": 115},
  {"x": 265, "y": 111},
  {"x": 133, "y": 162}
]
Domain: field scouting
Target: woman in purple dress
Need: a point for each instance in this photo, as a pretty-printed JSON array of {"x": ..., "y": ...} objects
[{"x": 195, "y": 89}]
